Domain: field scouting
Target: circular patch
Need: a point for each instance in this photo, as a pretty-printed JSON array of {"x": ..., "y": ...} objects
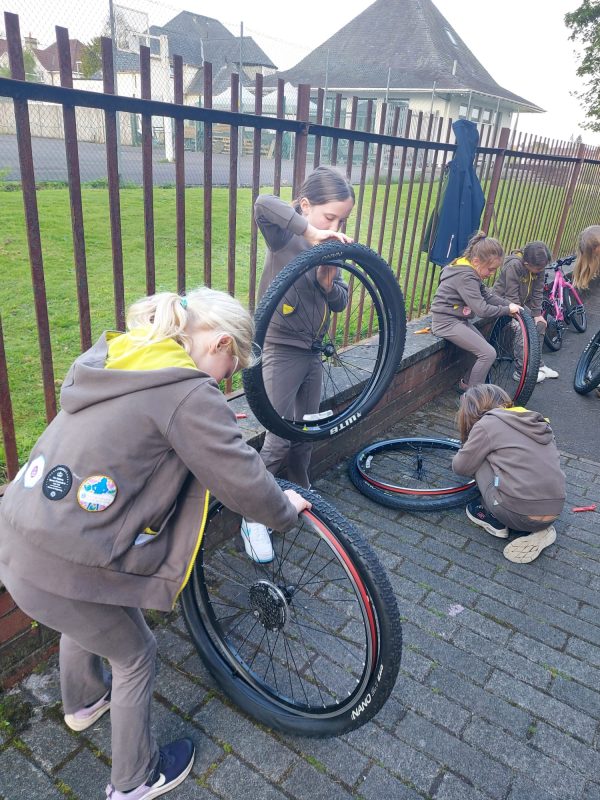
[
  {"x": 34, "y": 472},
  {"x": 96, "y": 493},
  {"x": 57, "y": 483},
  {"x": 21, "y": 471}
]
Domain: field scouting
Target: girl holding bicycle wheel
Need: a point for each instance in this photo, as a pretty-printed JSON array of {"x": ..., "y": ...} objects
[
  {"x": 292, "y": 366},
  {"x": 512, "y": 454},
  {"x": 107, "y": 515},
  {"x": 521, "y": 281},
  {"x": 462, "y": 295}
]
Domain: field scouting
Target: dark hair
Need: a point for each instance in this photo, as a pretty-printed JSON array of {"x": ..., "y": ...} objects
[
  {"x": 483, "y": 247},
  {"x": 476, "y": 402},
  {"x": 324, "y": 185},
  {"x": 537, "y": 254}
]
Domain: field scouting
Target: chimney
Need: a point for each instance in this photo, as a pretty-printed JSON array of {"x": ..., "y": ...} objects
[{"x": 30, "y": 42}]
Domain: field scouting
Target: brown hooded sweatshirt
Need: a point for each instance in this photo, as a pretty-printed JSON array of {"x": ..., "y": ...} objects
[
  {"x": 98, "y": 512},
  {"x": 462, "y": 295},
  {"x": 519, "y": 446},
  {"x": 518, "y": 285}
]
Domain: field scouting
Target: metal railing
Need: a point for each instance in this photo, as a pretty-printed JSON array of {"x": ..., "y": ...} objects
[{"x": 535, "y": 188}]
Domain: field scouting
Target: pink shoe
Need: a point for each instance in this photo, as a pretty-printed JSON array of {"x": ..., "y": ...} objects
[{"x": 85, "y": 717}]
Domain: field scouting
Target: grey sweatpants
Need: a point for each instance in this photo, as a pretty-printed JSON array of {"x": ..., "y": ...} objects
[
  {"x": 90, "y": 632},
  {"x": 465, "y": 335},
  {"x": 292, "y": 378},
  {"x": 519, "y": 522}
]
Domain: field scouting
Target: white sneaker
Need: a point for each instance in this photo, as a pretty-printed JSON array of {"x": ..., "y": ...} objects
[
  {"x": 541, "y": 376},
  {"x": 527, "y": 548},
  {"x": 257, "y": 541},
  {"x": 548, "y": 371}
]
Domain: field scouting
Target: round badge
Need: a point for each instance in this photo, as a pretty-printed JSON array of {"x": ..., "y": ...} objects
[
  {"x": 57, "y": 483},
  {"x": 96, "y": 493},
  {"x": 34, "y": 472},
  {"x": 21, "y": 471}
]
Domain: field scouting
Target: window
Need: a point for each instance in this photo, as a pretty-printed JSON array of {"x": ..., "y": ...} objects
[
  {"x": 486, "y": 116},
  {"x": 462, "y": 111},
  {"x": 475, "y": 114}
]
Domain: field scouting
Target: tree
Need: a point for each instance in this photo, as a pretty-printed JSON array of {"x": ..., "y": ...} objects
[
  {"x": 30, "y": 64},
  {"x": 91, "y": 58},
  {"x": 584, "y": 23}
]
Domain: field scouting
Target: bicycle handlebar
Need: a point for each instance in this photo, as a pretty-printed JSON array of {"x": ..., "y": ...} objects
[{"x": 562, "y": 262}]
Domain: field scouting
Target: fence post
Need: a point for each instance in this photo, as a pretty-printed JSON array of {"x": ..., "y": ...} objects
[
  {"x": 569, "y": 198},
  {"x": 495, "y": 182},
  {"x": 301, "y": 144}
]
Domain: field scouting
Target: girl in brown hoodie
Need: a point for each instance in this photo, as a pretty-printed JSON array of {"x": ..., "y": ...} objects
[
  {"x": 462, "y": 295},
  {"x": 512, "y": 454}
]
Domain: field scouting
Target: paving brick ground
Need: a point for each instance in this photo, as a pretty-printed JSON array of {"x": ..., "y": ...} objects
[{"x": 500, "y": 700}]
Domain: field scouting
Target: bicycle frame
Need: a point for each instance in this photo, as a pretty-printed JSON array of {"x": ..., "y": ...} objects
[{"x": 556, "y": 294}]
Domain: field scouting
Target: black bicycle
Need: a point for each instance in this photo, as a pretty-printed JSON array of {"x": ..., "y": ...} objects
[
  {"x": 360, "y": 347},
  {"x": 411, "y": 473},
  {"x": 309, "y": 644},
  {"x": 518, "y": 356},
  {"x": 587, "y": 371}
]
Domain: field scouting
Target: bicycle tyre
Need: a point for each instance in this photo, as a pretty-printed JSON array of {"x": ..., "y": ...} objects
[
  {"x": 587, "y": 371},
  {"x": 323, "y": 561},
  {"x": 405, "y": 497},
  {"x": 574, "y": 311},
  {"x": 344, "y": 407},
  {"x": 504, "y": 367},
  {"x": 553, "y": 335}
]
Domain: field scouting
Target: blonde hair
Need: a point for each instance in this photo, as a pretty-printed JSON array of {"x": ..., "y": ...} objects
[
  {"x": 587, "y": 264},
  {"x": 167, "y": 315},
  {"x": 483, "y": 247},
  {"x": 476, "y": 402}
]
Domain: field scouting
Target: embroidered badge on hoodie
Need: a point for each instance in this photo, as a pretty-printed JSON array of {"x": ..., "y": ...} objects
[{"x": 96, "y": 493}]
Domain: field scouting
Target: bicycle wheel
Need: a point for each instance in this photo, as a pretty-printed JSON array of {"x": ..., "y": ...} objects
[
  {"x": 574, "y": 310},
  {"x": 359, "y": 348},
  {"x": 553, "y": 335},
  {"x": 309, "y": 644},
  {"x": 513, "y": 347},
  {"x": 587, "y": 371},
  {"x": 414, "y": 474}
]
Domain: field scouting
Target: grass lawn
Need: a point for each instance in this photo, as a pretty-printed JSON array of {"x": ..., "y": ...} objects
[{"x": 534, "y": 210}]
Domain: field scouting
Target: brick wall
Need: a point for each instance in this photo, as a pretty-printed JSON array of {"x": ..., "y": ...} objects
[{"x": 428, "y": 368}]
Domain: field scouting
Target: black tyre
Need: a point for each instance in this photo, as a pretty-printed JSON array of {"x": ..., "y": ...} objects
[
  {"x": 587, "y": 371},
  {"x": 359, "y": 348},
  {"x": 514, "y": 347},
  {"x": 309, "y": 644},
  {"x": 574, "y": 311},
  {"x": 413, "y": 474},
  {"x": 553, "y": 335}
]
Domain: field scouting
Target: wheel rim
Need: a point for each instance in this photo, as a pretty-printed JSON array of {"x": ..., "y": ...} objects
[
  {"x": 352, "y": 349},
  {"x": 301, "y": 630},
  {"x": 592, "y": 368},
  {"x": 505, "y": 372},
  {"x": 417, "y": 467}
]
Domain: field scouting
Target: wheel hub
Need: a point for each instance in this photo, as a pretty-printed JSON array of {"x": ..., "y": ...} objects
[{"x": 269, "y": 604}]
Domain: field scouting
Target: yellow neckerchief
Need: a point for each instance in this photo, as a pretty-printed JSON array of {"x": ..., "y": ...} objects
[
  {"x": 129, "y": 351},
  {"x": 521, "y": 410},
  {"x": 462, "y": 262}
]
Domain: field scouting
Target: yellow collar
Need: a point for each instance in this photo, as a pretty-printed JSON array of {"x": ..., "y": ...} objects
[{"x": 129, "y": 351}]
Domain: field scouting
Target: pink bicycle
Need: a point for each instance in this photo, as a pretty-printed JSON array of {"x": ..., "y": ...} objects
[{"x": 561, "y": 305}]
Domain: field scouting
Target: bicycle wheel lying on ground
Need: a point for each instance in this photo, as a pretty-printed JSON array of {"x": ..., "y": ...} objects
[
  {"x": 574, "y": 310},
  {"x": 553, "y": 335},
  {"x": 515, "y": 346},
  {"x": 587, "y": 371},
  {"x": 309, "y": 644},
  {"x": 359, "y": 347},
  {"x": 414, "y": 474}
]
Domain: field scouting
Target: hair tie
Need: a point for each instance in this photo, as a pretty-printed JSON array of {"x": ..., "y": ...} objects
[{"x": 183, "y": 303}]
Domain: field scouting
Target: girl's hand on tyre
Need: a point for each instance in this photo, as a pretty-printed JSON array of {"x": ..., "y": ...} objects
[
  {"x": 317, "y": 235},
  {"x": 325, "y": 276},
  {"x": 514, "y": 309},
  {"x": 299, "y": 503}
]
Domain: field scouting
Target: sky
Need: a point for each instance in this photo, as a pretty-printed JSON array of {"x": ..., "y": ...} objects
[{"x": 523, "y": 44}]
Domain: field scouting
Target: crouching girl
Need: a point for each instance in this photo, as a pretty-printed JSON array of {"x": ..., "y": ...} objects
[{"x": 512, "y": 454}]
